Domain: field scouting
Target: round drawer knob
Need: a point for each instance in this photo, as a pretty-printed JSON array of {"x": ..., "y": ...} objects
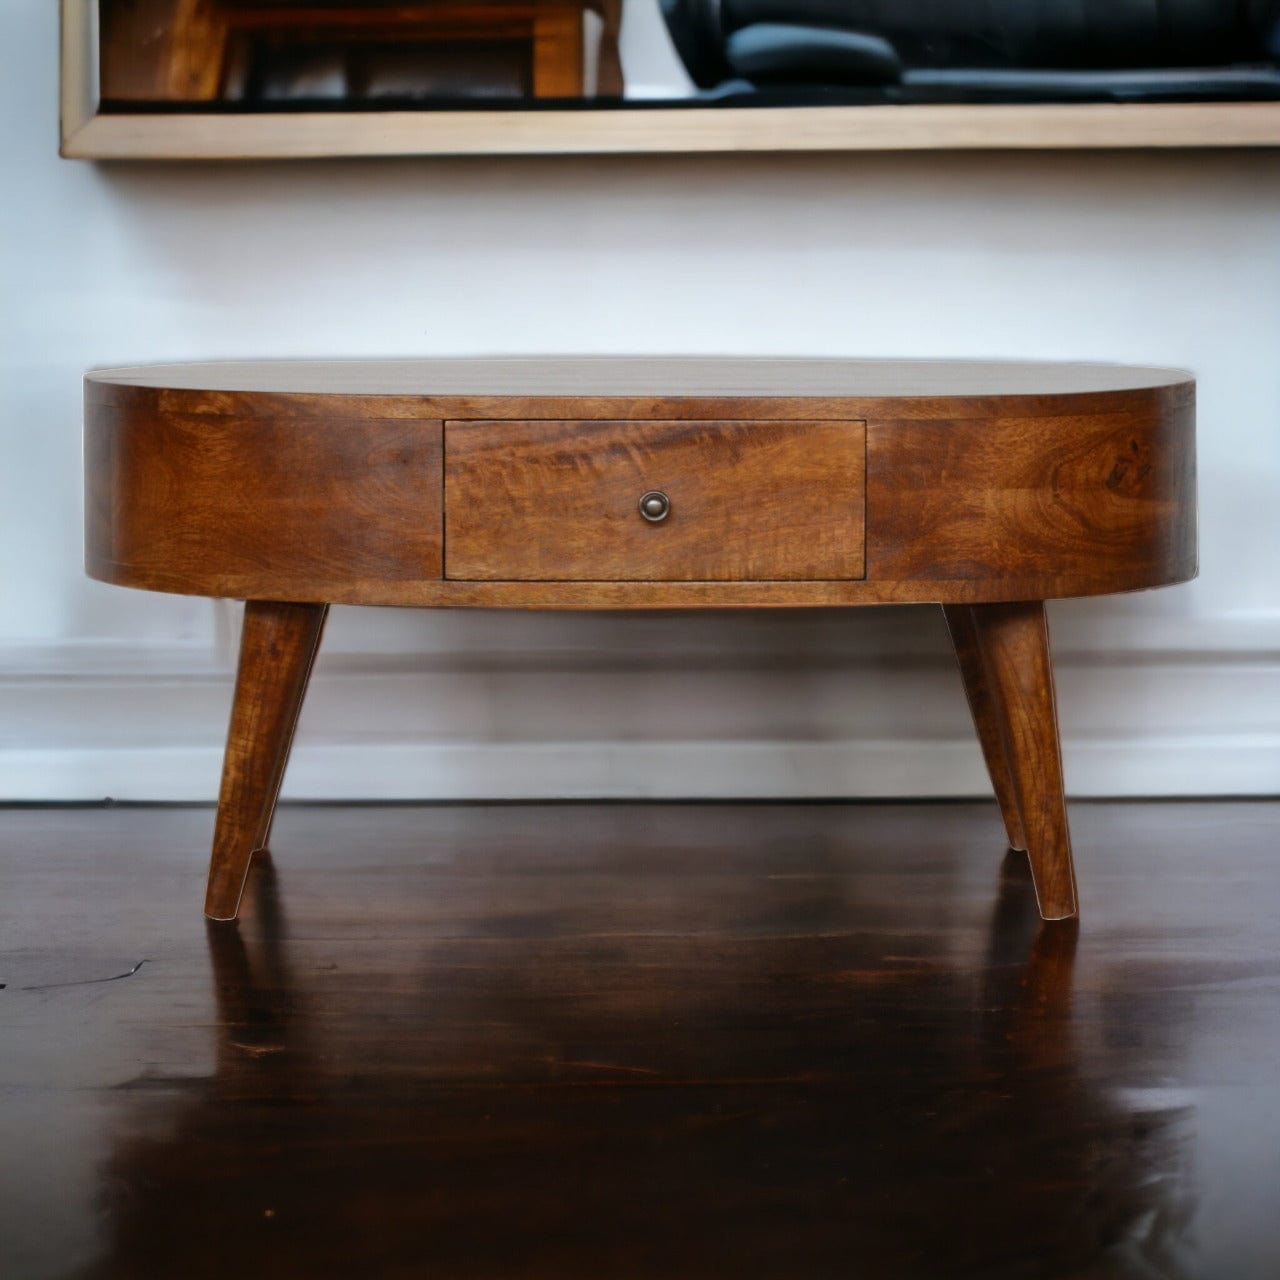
[{"x": 655, "y": 506}]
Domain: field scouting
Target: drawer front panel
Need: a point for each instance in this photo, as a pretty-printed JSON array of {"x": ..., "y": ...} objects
[{"x": 748, "y": 501}]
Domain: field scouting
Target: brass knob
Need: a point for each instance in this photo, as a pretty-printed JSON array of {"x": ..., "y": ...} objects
[{"x": 655, "y": 506}]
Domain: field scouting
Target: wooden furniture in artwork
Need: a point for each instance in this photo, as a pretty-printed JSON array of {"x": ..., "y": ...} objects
[
  {"x": 205, "y": 51},
  {"x": 640, "y": 484}
]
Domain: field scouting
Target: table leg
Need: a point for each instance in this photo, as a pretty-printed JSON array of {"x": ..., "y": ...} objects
[
  {"x": 277, "y": 650},
  {"x": 1017, "y": 695},
  {"x": 988, "y": 717},
  {"x": 611, "y": 83}
]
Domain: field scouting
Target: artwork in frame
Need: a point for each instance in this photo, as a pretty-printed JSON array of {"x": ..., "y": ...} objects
[{"x": 241, "y": 79}]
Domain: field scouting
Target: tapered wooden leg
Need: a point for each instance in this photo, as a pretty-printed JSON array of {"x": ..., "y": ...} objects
[
  {"x": 277, "y": 650},
  {"x": 264, "y": 839},
  {"x": 987, "y": 717},
  {"x": 1013, "y": 640}
]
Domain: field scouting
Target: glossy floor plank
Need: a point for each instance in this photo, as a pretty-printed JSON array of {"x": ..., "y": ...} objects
[{"x": 633, "y": 1041}]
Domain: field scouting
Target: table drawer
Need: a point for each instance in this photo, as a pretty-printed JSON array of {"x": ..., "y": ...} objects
[{"x": 744, "y": 501}]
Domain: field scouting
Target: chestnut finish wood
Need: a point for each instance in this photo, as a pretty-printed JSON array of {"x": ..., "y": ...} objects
[
  {"x": 988, "y": 717},
  {"x": 262, "y": 507},
  {"x": 1013, "y": 640},
  {"x": 1017, "y": 499},
  {"x": 984, "y": 481},
  {"x": 263, "y": 841},
  {"x": 715, "y": 1042},
  {"x": 749, "y": 501},
  {"x": 988, "y": 488},
  {"x": 278, "y": 647},
  {"x": 162, "y": 50},
  {"x": 181, "y": 51}
]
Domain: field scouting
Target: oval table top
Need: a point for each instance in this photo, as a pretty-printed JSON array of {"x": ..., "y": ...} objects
[{"x": 655, "y": 376}]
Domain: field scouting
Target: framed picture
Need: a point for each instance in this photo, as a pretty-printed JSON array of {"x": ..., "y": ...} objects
[{"x": 263, "y": 79}]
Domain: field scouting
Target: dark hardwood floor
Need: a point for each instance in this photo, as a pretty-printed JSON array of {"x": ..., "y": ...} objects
[{"x": 676, "y": 1041}]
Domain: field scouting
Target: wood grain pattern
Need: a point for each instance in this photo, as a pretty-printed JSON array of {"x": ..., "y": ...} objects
[
  {"x": 312, "y": 633},
  {"x": 559, "y": 501},
  {"x": 297, "y": 481},
  {"x": 1013, "y": 639},
  {"x": 988, "y": 717},
  {"x": 271, "y": 508},
  {"x": 277, "y": 651},
  {"x": 640, "y": 1041},
  {"x": 1012, "y": 497}
]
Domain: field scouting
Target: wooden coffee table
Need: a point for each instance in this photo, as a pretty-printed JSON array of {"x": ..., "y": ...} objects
[{"x": 644, "y": 484}]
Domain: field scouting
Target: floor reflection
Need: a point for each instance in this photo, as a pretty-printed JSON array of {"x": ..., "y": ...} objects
[{"x": 804, "y": 1107}]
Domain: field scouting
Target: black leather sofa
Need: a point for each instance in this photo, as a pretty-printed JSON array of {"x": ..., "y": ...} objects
[{"x": 963, "y": 50}]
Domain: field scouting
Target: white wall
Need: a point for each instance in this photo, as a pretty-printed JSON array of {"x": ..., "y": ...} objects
[{"x": 1168, "y": 259}]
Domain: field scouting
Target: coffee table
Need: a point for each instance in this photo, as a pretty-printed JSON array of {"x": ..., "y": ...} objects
[{"x": 987, "y": 488}]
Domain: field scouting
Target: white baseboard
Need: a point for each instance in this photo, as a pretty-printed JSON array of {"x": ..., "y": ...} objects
[
  {"x": 86, "y": 722},
  {"x": 587, "y": 771}
]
